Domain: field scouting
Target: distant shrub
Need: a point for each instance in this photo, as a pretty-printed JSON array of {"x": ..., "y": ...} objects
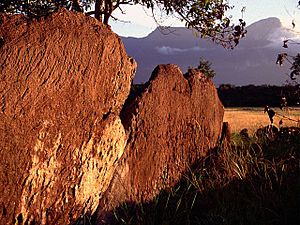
[{"x": 205, "y": 68}]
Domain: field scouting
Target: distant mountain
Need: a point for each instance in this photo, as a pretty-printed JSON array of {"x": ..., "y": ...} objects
[
  {"x": 263, "y": 29},
  {"x": 252, "y": 62}
]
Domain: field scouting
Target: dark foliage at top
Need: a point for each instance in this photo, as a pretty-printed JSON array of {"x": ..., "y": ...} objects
[
  {"x": 206, "y": 17},
  {"x": 32, "y": 8}
]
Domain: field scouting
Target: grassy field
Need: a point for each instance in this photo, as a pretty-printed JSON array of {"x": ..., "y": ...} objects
[
  {"x": 251, "y": 180},
  {"x": 254, "y": 118}
]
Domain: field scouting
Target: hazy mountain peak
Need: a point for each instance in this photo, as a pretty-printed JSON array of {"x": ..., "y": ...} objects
[
  {"x": 169, "y": 32},
  {"x": 271, "y": 22},
  {"x": 264, "y": 29},
  {"x": 251, "y": 62}
]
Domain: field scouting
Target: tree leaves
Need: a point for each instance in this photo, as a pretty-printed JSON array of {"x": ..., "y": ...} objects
[
  {"x": 239, "y": 32},
  {"x": 32, "y": 8},
  {"x": 293, "y": 60},
  {"x": 205, "y": 68},
  {"x": 295, "y": 67},
  {"x": 285, "y": 44},
  {"x": 280, "y": 58},
  {"x": 204, "y": 16},
  {"x": 293, "y": 24}
]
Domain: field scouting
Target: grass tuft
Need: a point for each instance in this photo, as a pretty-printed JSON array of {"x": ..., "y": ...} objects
[{"x": 249, "y": 181}]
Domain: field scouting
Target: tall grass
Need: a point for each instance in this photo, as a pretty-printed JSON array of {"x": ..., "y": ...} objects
[{"x": 248, "y": 181}]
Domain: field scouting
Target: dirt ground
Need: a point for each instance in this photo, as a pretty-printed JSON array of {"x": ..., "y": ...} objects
[{"x": 254, "y": 118}]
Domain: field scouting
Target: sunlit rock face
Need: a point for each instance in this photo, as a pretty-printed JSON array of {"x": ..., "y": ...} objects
[
  {"x": 71, "y": 139},
  {"x": 63, "y": 81}
]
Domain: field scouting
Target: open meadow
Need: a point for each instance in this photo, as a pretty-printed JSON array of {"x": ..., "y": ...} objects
[{"x": 254, "y": 118}]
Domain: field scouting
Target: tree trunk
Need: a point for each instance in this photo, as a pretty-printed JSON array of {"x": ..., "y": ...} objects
[
  {"x": 108, "y": 11},
  {"x": 108, "y": 8},
  {"x": 98, "y": 9},
  {"x": 76, "y": 6},
  {"x": 103, "y": 10}
]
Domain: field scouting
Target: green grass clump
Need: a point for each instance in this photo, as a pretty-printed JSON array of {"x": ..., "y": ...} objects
[{"x": 249, "y": 181}]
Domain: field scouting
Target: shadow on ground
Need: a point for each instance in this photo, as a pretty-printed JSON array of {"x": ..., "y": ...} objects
[{"x": 250, "y": 181}]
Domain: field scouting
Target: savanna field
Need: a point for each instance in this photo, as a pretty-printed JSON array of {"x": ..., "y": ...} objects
[
  {"x": 249, "y": 180},
  {"x": 255, "y": 118}
]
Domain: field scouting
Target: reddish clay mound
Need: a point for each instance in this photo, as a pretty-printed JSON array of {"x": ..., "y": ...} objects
[
  {"x": 176, "y": 120},
  {"x": 63, "y": 81}
]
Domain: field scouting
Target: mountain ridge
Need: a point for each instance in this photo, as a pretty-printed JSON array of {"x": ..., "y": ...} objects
[{"x": 251, "y": 62}]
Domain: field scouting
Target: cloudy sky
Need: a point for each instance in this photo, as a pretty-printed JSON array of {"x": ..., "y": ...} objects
[{"x": 138, "y": 21}]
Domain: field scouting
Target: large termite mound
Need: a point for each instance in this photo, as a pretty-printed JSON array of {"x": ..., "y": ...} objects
[
  {"x": 63, "y": 82},
  {"x": 171, "y": 124}
]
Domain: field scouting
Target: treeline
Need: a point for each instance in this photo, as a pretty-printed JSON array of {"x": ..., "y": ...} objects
[{"x": 259, "y": 96}]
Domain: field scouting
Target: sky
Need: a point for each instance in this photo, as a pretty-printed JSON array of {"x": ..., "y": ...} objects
[{"x": 138, "y": 21}]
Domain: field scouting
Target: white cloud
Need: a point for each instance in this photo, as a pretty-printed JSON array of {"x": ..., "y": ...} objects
[
  {"x": 166, "y": 50},
  {"x": 279, "y": 35}
]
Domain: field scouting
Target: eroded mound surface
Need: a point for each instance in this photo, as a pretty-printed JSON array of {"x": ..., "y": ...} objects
[
  {"x": 63, "y": 82},
  {"x": 171, "y": 124}
]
